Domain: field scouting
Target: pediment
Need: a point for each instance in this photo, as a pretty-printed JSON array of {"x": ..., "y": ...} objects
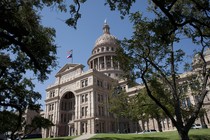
[{"x": 69, "y": 67}]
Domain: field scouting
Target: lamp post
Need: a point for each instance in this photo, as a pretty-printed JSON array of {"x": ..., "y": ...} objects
[{"x": 97, "y": 124}]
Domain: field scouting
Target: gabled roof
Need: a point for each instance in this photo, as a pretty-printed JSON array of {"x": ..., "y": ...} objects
[{"x": 69, "y": 67}]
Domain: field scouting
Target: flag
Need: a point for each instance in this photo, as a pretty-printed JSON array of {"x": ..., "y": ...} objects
[{"x": 70, "y": 54}]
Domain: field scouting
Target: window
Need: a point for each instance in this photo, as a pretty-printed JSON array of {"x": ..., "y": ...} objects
[
  {"x": 49, "y": 107},
  {"x": 102, "y": 111},
  {"x": 84, "y": 83},
  {"x": 86, "y": 97},
  {"x": 61, "y": 105},
  {"x": 64, "y": 120},
  {"x": 99, "y": 98},
  {"x": 102, "y": 98},
  {"x": 86, "y": 111},
  {"x": 61, "y": 117},
  {"x": 99, "y": 110},
  {"x": 83, "y": 111},
  {"x": 52, "y": 107},
  {"x": 83, "y": 98},
  {"x": 101, "y": 83},
  {"x": 52, "y": 94},
  {"x": 65, "y": 106}
]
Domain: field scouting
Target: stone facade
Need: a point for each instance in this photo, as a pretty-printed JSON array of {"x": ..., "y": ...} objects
[{"x": 77, "y": 102}]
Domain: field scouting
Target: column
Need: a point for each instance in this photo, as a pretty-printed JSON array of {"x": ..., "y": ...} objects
[
  {"x": 69, "y": 130},
  {"x": 45, "y": 116},
  {"x": 92, "y": 104},
  {"x": 89, "y": 126},
  {"x": 112, "y": 62},
  {"x": 79, "y": 128},
  {"x": 105, "y": 66},
  {"x": 85, "y": 127},
  {"x": 98, "y": 64},
  {"x": 89, "y": 104},
  {"x": 78, "y": 106},
  {"x": 93, "y": 64}
]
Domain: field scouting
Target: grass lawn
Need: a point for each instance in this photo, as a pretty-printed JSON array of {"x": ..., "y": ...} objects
[
  {"x": 57, "y": 138},
  {"x": 195, "y": 134}
]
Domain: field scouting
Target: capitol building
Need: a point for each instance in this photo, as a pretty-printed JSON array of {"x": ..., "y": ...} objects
[{"x": 77, "y": 102}]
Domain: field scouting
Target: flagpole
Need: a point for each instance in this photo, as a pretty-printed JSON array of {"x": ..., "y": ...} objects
[{"x": 72, "y": 57}]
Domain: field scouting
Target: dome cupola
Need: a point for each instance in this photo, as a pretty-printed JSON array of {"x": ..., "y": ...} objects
[
  {"x": 103, "y": 53},
  {"x": 106, "y": 38}
]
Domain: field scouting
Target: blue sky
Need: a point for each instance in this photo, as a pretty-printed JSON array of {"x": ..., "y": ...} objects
[
  {"x": 82, "y": 40},
  {"x": 89, "y": 28}
]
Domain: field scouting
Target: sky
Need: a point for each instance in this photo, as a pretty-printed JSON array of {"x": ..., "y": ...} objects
[{"x": 82, "y": 40}]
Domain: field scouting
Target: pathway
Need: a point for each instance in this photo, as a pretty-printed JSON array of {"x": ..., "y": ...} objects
[{"x": 84, "y": 137}]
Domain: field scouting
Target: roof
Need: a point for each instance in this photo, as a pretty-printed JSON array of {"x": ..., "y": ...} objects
[{"x": 69, "y": 67}]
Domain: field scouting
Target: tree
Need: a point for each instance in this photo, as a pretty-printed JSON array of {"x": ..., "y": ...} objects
[
  {"x": 118, "y": 105},
  {"x": 152, "y": 52},
  {"x": 8, "y": 121},
  {"x": 25, "y": 47},
  {"x": 38, "y": 122},
  {"x": 21, "y": 36}
]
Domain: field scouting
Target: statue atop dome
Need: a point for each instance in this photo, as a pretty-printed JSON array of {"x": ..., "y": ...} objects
[{"x": 106, "y": 27}]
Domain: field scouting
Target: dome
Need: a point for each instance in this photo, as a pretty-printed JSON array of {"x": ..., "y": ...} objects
[{"x": 106, "y": 38}]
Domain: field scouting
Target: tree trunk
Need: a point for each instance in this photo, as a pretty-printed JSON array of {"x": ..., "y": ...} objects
[
  {"x": 159, "y": 124},
  {"x": 183, "y": 135}
]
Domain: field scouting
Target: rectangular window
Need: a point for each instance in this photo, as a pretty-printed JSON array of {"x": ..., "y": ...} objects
[
  {"x": 64, "y": 120},
  {"x": 49, "y": 107},
  {"x": 84, "y": 83},
  {"x": 86, "y": 97},
  {"x": 86, "y": 111},
  {"x": 98, "y": 83},
  {"x": 83, "y": 98},
  {"x": 99, "y": 110},
  {"x": 83, "y": 111},
  {"x": 52, "y": 108},
  {"x": 61, "y": 118},
  {"x": 102, "y": 98},
  {"x": 99, "y": 98},
  {"x": 52, "y": 94},
  {"x": 102, "y": 111}
]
